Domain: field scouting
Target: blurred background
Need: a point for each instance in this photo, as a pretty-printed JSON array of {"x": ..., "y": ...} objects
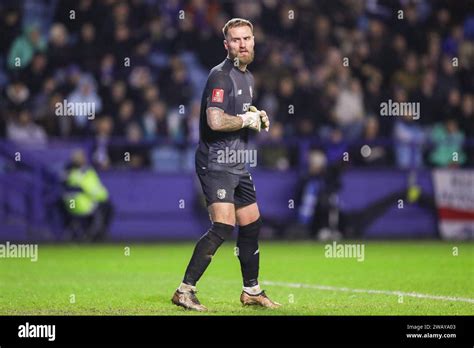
[{"x": 331, "y": 167}]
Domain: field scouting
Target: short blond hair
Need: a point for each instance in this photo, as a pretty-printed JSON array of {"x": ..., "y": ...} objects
[{"x": 236, "y": 22}]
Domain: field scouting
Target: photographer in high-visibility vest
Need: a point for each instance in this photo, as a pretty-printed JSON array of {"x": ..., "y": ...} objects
[{"x": 86, "y": 199}]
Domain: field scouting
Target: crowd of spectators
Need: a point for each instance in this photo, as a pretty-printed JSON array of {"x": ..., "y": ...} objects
[{"x": 322, "y": 70}]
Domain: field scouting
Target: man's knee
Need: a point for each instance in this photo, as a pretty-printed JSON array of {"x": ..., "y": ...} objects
[
  {"x": 247, "y": 214},
  {"x": 216, "y": 235},
  {"x": 250, "y": 231}
]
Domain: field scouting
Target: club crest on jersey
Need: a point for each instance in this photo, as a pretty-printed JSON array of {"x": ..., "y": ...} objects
[
  {"x": 221, "y": 193},
  {"x": 217, "y": 95}
]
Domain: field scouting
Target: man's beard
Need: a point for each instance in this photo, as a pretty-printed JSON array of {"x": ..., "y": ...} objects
[{"x": 244, "y": 60}]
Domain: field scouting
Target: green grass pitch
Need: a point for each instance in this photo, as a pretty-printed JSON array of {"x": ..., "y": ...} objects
[{"x": 102, "y": 280}]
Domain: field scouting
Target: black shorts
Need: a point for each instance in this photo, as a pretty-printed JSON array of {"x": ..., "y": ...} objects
[{"x": 220, "y": 186}]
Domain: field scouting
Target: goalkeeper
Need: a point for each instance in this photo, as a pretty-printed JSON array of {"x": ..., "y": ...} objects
[{"x": 226, "y": 120}]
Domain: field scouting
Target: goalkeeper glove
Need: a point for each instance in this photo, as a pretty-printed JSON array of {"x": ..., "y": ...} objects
[
  {"x": 251, "y": 119},
  {"x": 264, "y": 120}
]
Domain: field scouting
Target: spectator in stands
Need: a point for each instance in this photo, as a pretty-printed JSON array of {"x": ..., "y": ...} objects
[
  {"x": 140, "y": 78},
  {"x": 107, "y": 70},
  {"x": 10, "y": 26},
  {"x": 448, "y": 141},
  {"x": 452, "y": 105},
  {"x": 139, "y": 156},
  {"x": 304, "y": 127},
  {"x": 17, "y": 96},
  {"x": 87, "y": 48},
  {"x": 85, "y": 11},
  {"x": 36, "y": 73},
  {"x": 176, "y": 126},
  {"x": 448, "y": 78},
  {"x": 348, "y": 113},
  {"x": 151, "y": 94},
  {"x": 178, "y": 90},
  {"x": 409, "y": 76},
  {"x": 154, "y": 121},
  {"x": 428, "y": 97},
  {"x": 101, "y": 157},
  {"x": 273, "y": 72},
  {"x": 25, "y": 131},
  {"x": 24, "y": 48},
  {"x": 114, "y": 96},
  {"x": 409, "y": 138},
  {"x": 374, "y": 95},
  {"x": 126, "y": 115},
  {"x": 122, "y": 42},
  {"x": 274, "y": 155},
  {"x": 377, "y": 154},
  {"x": 86, "y": 94},
  {"x": 44, "y": 111},
  {"x": 286, "y": 101},
  {"x": 467, "y": 115},
  {"x": 59, "y": 50}
]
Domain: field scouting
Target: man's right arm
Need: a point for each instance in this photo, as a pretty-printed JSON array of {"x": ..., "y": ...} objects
[
  {"x": 220, "y": 89},
  {"x": 219, "y": 121}
]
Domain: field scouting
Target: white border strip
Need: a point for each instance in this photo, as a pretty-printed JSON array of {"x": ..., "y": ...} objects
[{"x": 368, "y": 291}]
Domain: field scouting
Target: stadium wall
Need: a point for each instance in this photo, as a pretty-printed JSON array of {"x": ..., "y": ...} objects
[{"x": 157, "y": 206}]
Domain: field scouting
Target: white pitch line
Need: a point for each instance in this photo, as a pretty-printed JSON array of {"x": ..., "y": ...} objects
[{"x": 369, "y": 291}]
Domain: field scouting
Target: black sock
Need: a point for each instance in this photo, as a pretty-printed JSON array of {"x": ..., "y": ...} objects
[
  {"x": 205, "y": 249},
  {"x": 249, "y": 256}
]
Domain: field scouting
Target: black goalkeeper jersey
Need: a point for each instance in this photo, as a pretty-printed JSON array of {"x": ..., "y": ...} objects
[{"x": 231, "y": 90}]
